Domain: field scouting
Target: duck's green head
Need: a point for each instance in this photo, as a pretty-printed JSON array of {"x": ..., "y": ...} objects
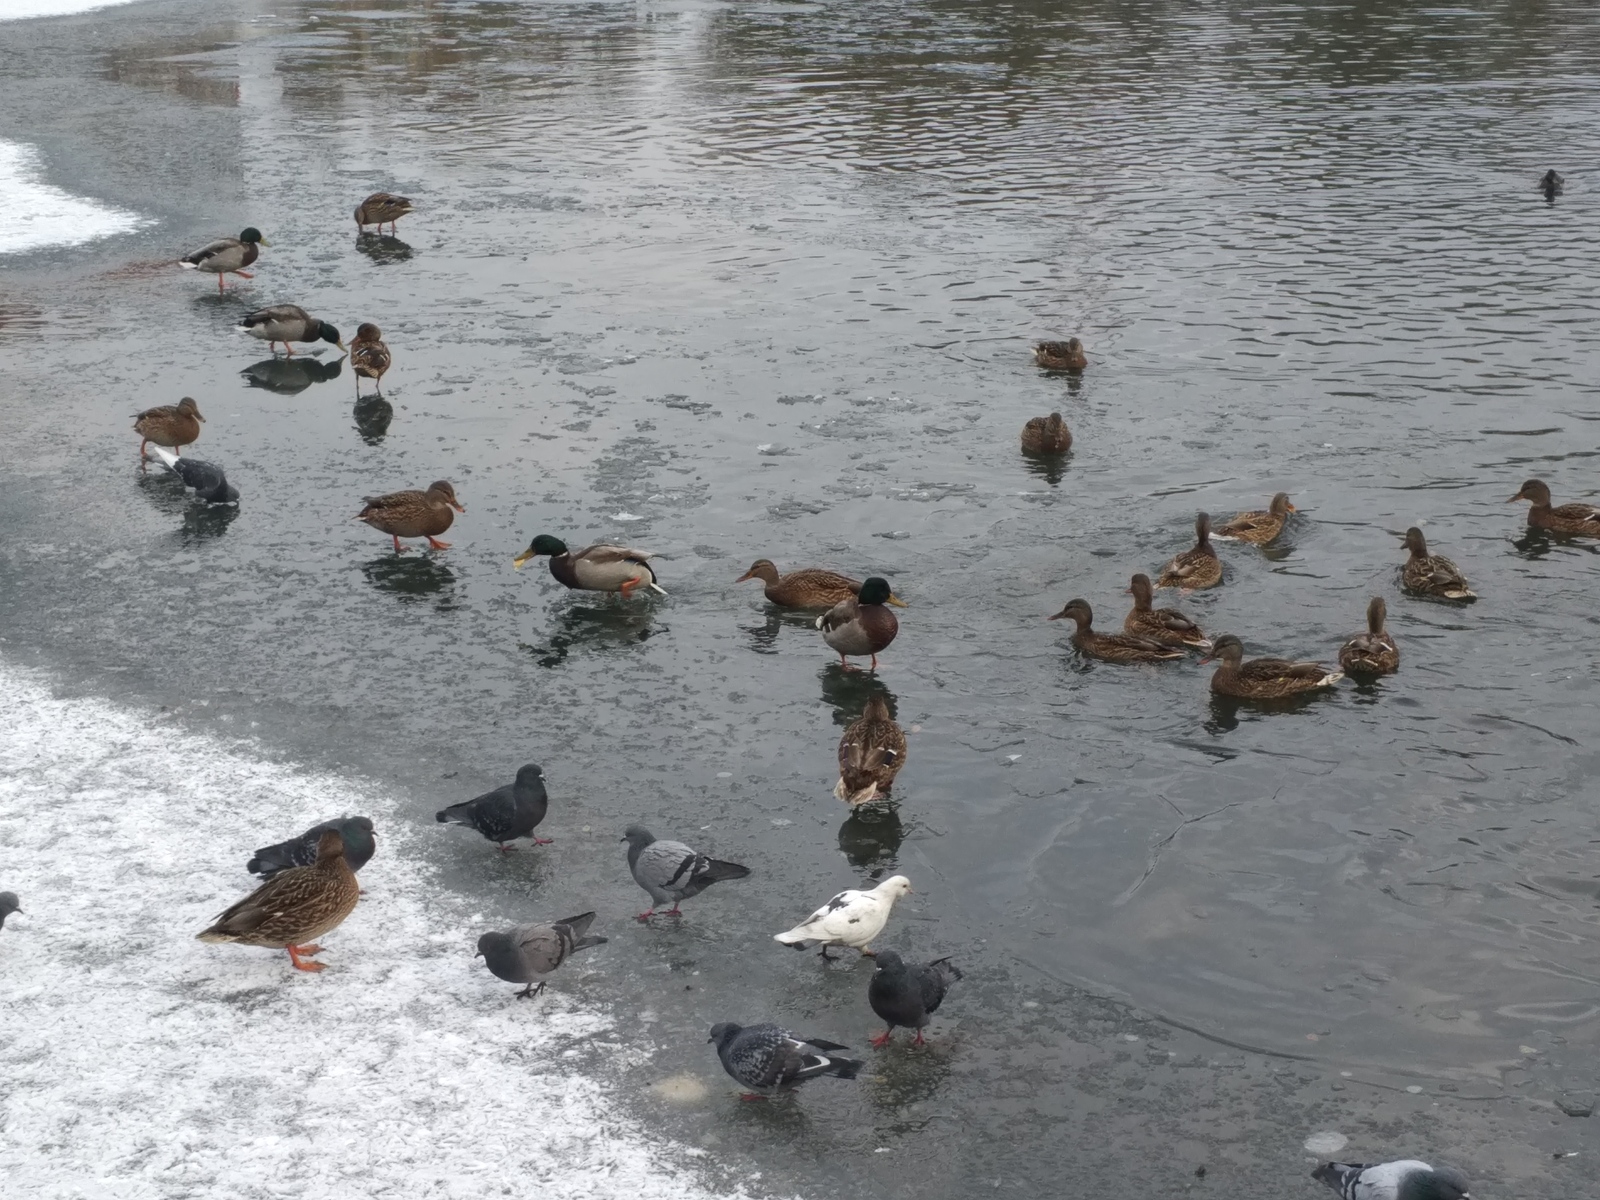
[
  {"x": 330, "y": 334},
  {"x": 543, "y": 544},
  {"x": 875, "y": 591},
  {"x": 253, "y": 234}
]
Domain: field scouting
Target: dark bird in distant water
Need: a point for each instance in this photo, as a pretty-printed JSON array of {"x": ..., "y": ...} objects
[
  {"x": 207, "y": 479},
  {"x": 908, "y": 994},
  {"x": 359, "y": 846},
  {"x": 1061, "y": 356},
  {"x": 1404, "y": 1179},
  {"x": 529, "y": 951},
  {"x": 507, "y": 812},
  {"x": 1551, "y": 184},
  {"x": 672, "y": 871},
  {"x": 369, "y": 357},
  {"x": 766, "y": 1057},
  {"x": 293, "y": 907},
  {"x": 228, "y": 255},
  {"x": 380, "y": 209},
  {"x": 8, "y": 905}
]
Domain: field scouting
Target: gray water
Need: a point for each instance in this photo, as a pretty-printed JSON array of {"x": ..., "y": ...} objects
[{"x": 734, "y": 281}]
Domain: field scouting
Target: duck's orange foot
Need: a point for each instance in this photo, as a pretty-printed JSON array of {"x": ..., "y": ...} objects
[
  {"x": 628, "y": 586},
  {"x": 436, "y": 544},
  {"x": 304, "y": 964},
  {"x": 242, "y": 275}
]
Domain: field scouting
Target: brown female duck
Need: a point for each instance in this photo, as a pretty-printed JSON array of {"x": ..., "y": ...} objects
[
  {"x": 1111, "y": 647},
  {"x": 809, "y": 587},
  {"x": 1165, "y": 625},
  {"x": 414, "y": 514},
  {"x": 1046, "y": 435},
  {"x": 861, "y": 625},
  {"x": 1197, "y": 568},
  {"x": 380, "y": 209},
  {"x": 294, "y": 907},
  {"x": 1061, "y": 356},
  {"x": 871, "y": 753},
  {"x": 1373, "y": 652},
  {"x": 171, "y": 425},
  {"x": 1264, "y": 678},
  {"x": 1258, "y": 528},
  {"x": 1432, "y": 574},
  {"x": 1580, "y": 519},
  {"x": 369, "y": 357}
]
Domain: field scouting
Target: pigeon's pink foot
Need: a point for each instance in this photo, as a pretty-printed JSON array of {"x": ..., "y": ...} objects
[
  {"x": 919, "y": 1041},
  {"x": 882, "y": 1039},
  {"x": 645, "y": 916},
  {"x": 538, "y": 841},
  {"x": 750, "y": 1096}
]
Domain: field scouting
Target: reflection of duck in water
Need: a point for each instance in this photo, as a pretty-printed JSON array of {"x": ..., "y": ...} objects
[
  {"x": 373, "y": 414},
  {"x": 409, "y": 578},
  {"x": 290, "y": 376},
  {"x": 383, "y": 249},
  {"x": 871, "y": 836},
  {"x": 871, "y": 753}
]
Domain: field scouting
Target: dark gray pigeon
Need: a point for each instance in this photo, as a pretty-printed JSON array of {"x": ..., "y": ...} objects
[
  {"x": 672, "y": 871},
  {"x": 766, "y": 1058},
  {"x": 530, "y": 951},
  {"x": 8, "y": 905},
  {"x": 908, "y": 994},
  {"x": 507, "y": 812},
  {"x": 1404, "y": 1179},
  {"x": 359, "y": 846},
  {"x": 207, "y": 479}
]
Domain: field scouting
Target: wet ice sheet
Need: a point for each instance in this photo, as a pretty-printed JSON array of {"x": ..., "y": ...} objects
[{"x": 34, "y": 214}]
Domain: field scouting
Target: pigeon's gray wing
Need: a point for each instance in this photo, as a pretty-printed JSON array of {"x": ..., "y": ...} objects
[
  {"x": 664, "y": 868},
  {"x": 543, "y": 946}
]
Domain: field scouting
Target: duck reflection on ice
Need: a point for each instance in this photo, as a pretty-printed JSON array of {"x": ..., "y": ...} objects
[
  {"x": 412, "y": 578},
  {"x": 603, "y": 627},
  {"x": 291, "y": 376},
  {"x": 373, "y": 414},
  {"x": 383, "y": 249},
  {"x": 870, "y": 838},
  {"x": 764, "y": 637},
  {"x": 849, "y": 691}
]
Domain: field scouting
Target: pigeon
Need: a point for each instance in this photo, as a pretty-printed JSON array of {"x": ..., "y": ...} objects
[
  {"x": 671, "y": 870},
  {"x": 359, "y": 846},
  {"x": 8, "y": 905},
  {"x": 1405, "y": 1179},
  {"x": 507, "y": 812},
  {"x": 207, "y": 479},
  {"x": 908, "y": 994},
  {"x": 850, "y": 919},
  {"x": 529, "y": 951},
  {"x": 768, "y": 1058}
]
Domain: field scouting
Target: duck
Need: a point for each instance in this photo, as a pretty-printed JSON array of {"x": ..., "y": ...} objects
[
  {"x": 414, "y": 514},
  {"x": 289, "y": 323},
  {"x": 861, "y": 625},
  {"x": 1373, "y": 652},
  {"x": 380, "y": 209},
  {"x": 1258, "y": 528},
  {"x": 1432, "y": 574},
  {"x": 1263, "y": 678},
  {"x": 1165, "y": 625},
  {"x": 1111, "y": 647},
  {"x": 1580, "y": 519},
  {"x": 369, "y": 357},
  {"x": 1061, "y": 356},
  {"x": 808, "y": 587},
  {"x": 227, "y": 255},
  {"x": 1046, "y": 435},
  {"x": 294, "y": 907},
  {"x": 871, "y": 753},
  {"x": 171, "y": 425},
  {"x": 597, "y": 568},
  {"x": 1551, "y": 184},
  {"x": 1196, "y": 568}
]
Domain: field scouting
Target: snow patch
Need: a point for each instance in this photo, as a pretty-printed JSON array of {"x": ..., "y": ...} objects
[
  {"x": 14, "y": 10},
  {"x": 35, "y": 214}
]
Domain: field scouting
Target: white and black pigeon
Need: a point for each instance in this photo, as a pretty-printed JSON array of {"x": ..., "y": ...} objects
[
  {"x": 672, "y": 871},
  {"x": 765, "y": 1057},
  {"x": 530, "y": 951},
  {"x": 207, "y": 479},
  {"x": 850, "y": 919},
  {"x": 507, "y": 812},
  {"x": 908, "y": 994},
  {"x": 8, "y": 905},
  {"x": 1404, "y": 1179},
  {"x": 360, "y": 844}
]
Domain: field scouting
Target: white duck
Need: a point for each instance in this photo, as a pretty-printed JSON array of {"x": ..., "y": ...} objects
[{"x": 851, "y": 918}]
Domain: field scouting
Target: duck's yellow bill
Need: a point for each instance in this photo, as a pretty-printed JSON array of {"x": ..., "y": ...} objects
[
  {"x": 897, "y": 602},
  {"x": 521, "y": 560}
]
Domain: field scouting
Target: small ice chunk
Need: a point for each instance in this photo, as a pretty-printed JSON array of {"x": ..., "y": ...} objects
[
  {"x": 1329, "y": 1141},
  {"x": 626, "y": 516}
]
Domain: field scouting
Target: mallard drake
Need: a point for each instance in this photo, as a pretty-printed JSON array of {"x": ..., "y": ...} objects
[
  {"x": 1431, "y": 574},
  {"x": 597, "y": 568},
  {"x": 1165, "y": 625},
  {"x": 1373, "y": 652},
  {"x": 1263, "y": 678},
  {"x": 809, "y": 587},
  {"x": 1061, "y": 356},
  {"x": 289, "y": 323},
  {"x": 871, "y": 753},
  {"x": 1197, "y": 568},
  {"x": 294, "y": 907},
  {"x": 1046, "y": 435},
  {"x": 380, "y": 209},
  {"x": 1111, "y": 647},
  {"x": 227, "y": 255},
  {"x": 1258, "y": 528},
  {"x": 369, "y": 357},
  {"x": 414, "y": 514},
  {"x": 1551, "y": 184},
  {"x": 172, "y": 425},
  {"x": 861, "y": 625},
  {"x": 1580, "y": 519}
]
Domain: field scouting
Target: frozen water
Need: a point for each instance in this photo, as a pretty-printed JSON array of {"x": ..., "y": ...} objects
[{"x": 34, "y": 214}]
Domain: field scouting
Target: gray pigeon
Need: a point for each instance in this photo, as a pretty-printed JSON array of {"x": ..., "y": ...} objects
[
  {"x": 8, "y": 905},
  {"x": 1404, "y": 1179},
  {"x": 207, "y": 479},
  {"x": 359, "y": 846},
  {"x": 766, "y": 1058},
  {"x": 507, "y": 812},
  {"x": 530, "y": 951},
  {"x": 908, "y": 994},
  {"x": 671, "y": 870}
]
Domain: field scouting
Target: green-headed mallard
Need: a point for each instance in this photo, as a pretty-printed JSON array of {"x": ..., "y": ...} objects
[
  {"x": 380, "y": 209},
  {"x": 227, "y": 255},
  {"x": 171, "y": 425},
  {"x": 809, "y": 587},
  {"x": 1111, "y": 647},
  {"x": 1373, "y": 652},
  {"x": 288, "y": 323},
  {"x": 597, "y": 568},
  {"x": 369, "y": 357},
  {"x": 1061, "y": 356},
  {"x": 1257, "y": 528},
  {"x": 1431, "y": 574},
  {"x": 871, "y": 753},
  {"x": 414, "y": 514},
  {"x": 1263, "y": 678},
  {"x": 1580, "y": 519},
  {"x": 294, "y": 907},
  {"x": 1165, "y": 625},
  {"x": 1046, "y": 435},
  {"x": 861, "y": 625},
  {"x": 1197, "y": 568}
]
